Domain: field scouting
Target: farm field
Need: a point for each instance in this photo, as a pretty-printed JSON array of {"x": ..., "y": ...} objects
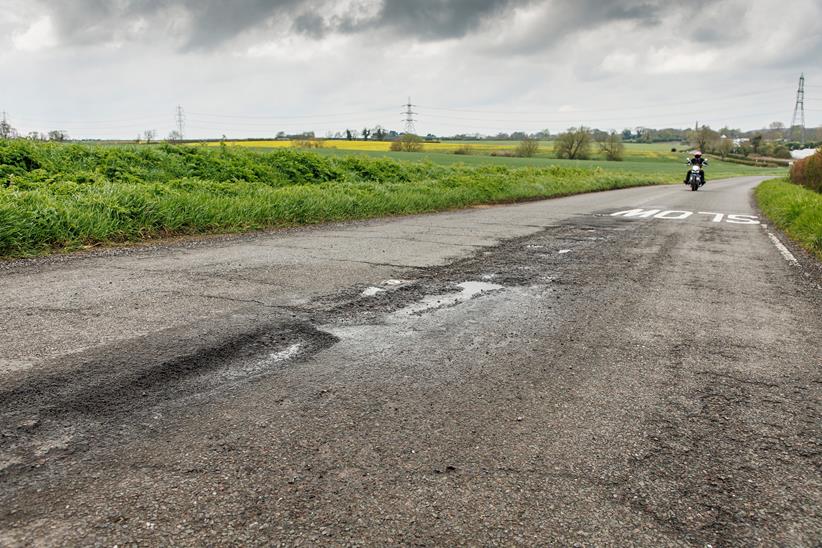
[
  {"x": 484, "y": 147},
  {"x": 669, "y": 168},
  {"x": 641, "y": 158}
]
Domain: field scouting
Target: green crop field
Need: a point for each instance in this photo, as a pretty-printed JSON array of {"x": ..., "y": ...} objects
[{"x": 663, "y": 164}]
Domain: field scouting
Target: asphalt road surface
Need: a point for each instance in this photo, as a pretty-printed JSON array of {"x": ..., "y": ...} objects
[{"x": 638, "y": 366}]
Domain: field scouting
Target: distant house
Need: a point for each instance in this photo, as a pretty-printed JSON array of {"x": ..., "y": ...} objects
[{"x": 803, "y": 153}]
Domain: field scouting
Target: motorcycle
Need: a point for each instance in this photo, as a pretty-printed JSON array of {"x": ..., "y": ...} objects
[{"x": 695, "y": 177}]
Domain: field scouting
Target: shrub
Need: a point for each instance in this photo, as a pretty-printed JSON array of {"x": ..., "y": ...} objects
[
  {"x": 465, "y": 150},
  {"x": 408, "y": 142},
  {"x": 308, "y": 143},
  {"x": 808, "y": 172},
  {"x": 527, "y": 148}
]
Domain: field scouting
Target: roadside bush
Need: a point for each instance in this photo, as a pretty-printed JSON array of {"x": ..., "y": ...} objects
[
  {"x": 808, "y": 172},
  {"x": 796, "y": 210}
]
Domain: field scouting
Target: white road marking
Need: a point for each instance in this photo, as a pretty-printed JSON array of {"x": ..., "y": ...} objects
[
  {"x": 673, "y": 214},
  {"x": 784, "y": 250},
  {"x": 717, "y": 216},
  {"x": 642, "y": 213},
  {"x": 679, "y": 215},
  {"x": 743, "y": 219}
]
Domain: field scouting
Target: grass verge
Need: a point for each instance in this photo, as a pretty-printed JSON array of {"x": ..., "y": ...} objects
[
  {"x": 66, "y": 197},
  {"x": 795, "y": 210}
]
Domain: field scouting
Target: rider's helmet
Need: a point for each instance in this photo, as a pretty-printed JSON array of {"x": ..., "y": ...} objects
[{"x": 697, "y": 154}]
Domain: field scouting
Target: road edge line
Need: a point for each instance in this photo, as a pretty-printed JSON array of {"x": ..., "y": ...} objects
[{"x": 783, "y": 250}]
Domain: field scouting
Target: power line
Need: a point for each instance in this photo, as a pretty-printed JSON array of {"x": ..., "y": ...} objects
[
  {"x": 799, "y": 108},
  {"x": 409, "y": 117},
  {"x": 181, "y": 122},
  {"x": 616, "y": 109},
  {"x": 252, "y": 117}
]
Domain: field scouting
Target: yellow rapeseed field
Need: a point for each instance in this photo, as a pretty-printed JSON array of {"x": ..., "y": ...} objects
[{"x": 370, "y": 146}]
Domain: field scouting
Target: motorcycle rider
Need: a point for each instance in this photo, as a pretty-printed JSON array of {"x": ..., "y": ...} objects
[{"x": 699, "y": 161}]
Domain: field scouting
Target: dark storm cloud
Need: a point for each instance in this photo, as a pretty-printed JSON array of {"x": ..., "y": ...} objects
[
  {"x": 212, "y": 22},
  {"x": 435, "y": 19},
  {"x": 202, "y": 24},
  {"x": 206, "y": 23}
]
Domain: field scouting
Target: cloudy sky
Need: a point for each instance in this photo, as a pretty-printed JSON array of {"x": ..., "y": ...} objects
[{"x": 244, "y": 68}]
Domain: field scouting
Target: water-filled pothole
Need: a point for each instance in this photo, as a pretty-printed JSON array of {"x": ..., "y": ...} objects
[{"x": 468, "y": 291}]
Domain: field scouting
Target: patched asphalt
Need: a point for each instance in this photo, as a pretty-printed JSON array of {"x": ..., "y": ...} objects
[{"x": 557, "y": 372}]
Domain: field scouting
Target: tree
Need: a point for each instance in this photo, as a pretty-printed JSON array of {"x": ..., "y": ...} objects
[
  {"x": 704, "y": 138},
  {"x": 626, "y": 134},
  {"x": 726, "y": 144},
  {"x": 175, "y": 136},
  {"x": 349, "y": 135},
  {"x": 527, "y": 148},
  {"x": 611, "y": 145},
  {"x": 574, "y": 144},
  {"x": 408, "y": 142},
  {"x": 379, "y": 133},
  {"x": 6, "y": 131},
  {"x": 149, "y": 135},
  {"x": 598, "y": 135},
  {"x": 777, "y": 131},
  {"x": 57, "y": 135},
  {"x": 366, "y": 133},
  {"x": 756, "y": 142}
]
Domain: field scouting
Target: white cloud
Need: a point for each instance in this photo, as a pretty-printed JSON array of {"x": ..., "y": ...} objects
[{"x": 39, "y": 36}]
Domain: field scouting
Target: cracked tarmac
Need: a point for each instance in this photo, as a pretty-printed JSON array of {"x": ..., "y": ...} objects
[{"x": 608, "y": 381}]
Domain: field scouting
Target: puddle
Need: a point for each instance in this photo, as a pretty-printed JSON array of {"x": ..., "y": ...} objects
[
  {"x": 375, "y": 290},
  {"x": 561, "y": 251},
  {"x": 469, "y": 291},
  {"x": 371, "y": 291}
]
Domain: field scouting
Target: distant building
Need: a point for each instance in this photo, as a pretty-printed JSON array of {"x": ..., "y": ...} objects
[{"x": 804, "y": 153}]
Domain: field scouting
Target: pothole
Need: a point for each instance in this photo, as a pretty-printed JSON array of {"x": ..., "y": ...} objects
[
  {"x": 469, "y": 290},
  {"x": 384, "y": 286}
]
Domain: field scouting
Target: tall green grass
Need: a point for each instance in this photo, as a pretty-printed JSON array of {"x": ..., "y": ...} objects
[
  {"x": 794, "y": 209},
  {"x": 64, "y": 197}
]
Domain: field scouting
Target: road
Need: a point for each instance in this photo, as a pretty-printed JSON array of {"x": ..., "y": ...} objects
[{"x": 637, "y": 366}]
